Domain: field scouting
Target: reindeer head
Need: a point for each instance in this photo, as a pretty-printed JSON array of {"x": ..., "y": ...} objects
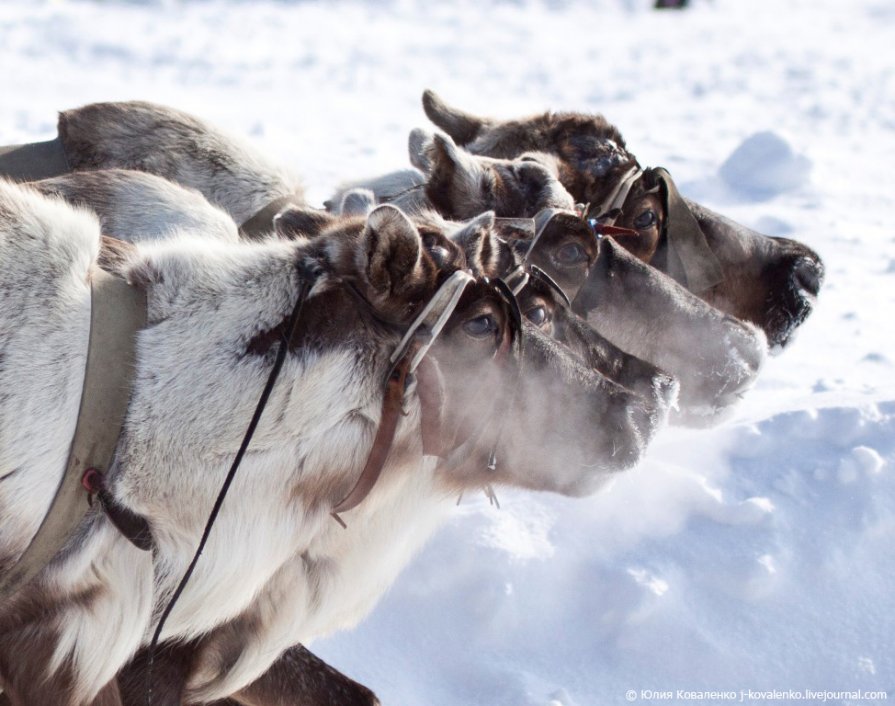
[
  {"x": 541, "y": 410},
  {"x": 641, "y": 311},
  {"x": 460, "y": 185},
  {"x": 771, "y": 282}
]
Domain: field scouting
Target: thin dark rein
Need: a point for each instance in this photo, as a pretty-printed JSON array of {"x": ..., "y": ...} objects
[
  {"x": 306, "y": 282},
  {"x": 391, "y": 197}
]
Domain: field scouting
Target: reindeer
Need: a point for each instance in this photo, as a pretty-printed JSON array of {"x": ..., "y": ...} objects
[
  {"x": 634, "y": 314},
  {"x": 159, "y": 140},
  {"x": 772, "y": 282},
  {"x": 89, "y": 187},
  {"x": 136, "y": 206},
  {"x": 457, "y": 184},
  {"x": 715, "y": 357},
  {"x": 209, "y": 665},
  {"x": 764, "y": 280},
  {"x": 630, "y": 306},
  {"x": 145, "y": 207},
  {"x": 216, "y": 313}
]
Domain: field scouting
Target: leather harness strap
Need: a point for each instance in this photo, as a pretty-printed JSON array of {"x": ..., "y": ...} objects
[
  {"x": 118, "y": 312},
  {"x": 608, "y": 211},
  {"x": 38, "y": 160},
  {"x": 392, "y": 405},
  {"x": 407, "y": 357},
  {"x": 262, "y": 223}
]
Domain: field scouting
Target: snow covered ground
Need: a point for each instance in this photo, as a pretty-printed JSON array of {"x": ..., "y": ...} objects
[{"x": 756, "y": 555}]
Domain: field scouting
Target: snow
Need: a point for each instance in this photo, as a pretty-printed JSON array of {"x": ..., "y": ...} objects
[
  {"x": 764, "y": 165},
  {"x": 755, "y": 555}
]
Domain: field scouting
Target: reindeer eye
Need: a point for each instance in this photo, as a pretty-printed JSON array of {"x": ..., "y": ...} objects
[
  {"x": 645, "y": 220},
  {"x": 439, "y": 253},
  {"x": 571, "y": 254},
  {"x": 537, "y": 315},
  {"x": 481, "y": 326}
]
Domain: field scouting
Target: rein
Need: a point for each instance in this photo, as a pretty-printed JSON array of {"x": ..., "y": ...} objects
[
  {"x": 307, "y": 281},
  {"x": 391, "y": 197}
]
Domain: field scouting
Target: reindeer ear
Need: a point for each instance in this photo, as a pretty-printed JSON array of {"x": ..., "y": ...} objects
[
  {"x": 444, "y": 157},
  {"x": 392, "y": 248},
  {"x": 463, "y": 127},
  {"x": 454, "y": 186},
  {"x": 296, "y": 222},
  {"x": 418, "y": 145},
  {"x": 357, "y": 202},
  {"x": 477, "y": 240}
]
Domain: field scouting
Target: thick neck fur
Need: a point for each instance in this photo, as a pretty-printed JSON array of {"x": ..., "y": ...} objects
[{"x": 195, "y": 388}]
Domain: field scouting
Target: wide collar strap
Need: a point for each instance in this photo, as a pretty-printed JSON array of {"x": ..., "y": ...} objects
[{"x": 118, "y": 312}]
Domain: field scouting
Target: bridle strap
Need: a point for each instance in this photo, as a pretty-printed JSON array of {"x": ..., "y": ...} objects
[
  {"x": 392, "y": 404},
  {"x": 542, "y": 219},
  {"x": 262, "y": 223},
  {"x": 406, "y": 358},
  {"x": 431, "y": 320},
  {"x": 389, "y": 198},
  {"x": 608, "y": 210},
  {"x": 690, "y": 260},
  {"x": 430, "y": 391},
  {"x": 538, "y": 275},
  {"x": 497, "y": 419},
  {"x": 517, "y": 278},
  {"x": 117, "y": 313}
]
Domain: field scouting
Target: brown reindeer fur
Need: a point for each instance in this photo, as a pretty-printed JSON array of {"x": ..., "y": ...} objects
[{"x": 771, "y": 282}]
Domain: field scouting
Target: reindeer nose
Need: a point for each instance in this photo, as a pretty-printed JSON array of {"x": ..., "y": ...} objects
[{"x": 808, "y": 275}]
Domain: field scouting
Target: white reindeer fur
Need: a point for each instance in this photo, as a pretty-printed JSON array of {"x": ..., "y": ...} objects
[
  {"x": 276, "y": 562},
  {"x": 336, "y": 581},
  {"x": 193, "y": 395},
  {"x": 50, "y": 246},
  {"x": 136, "y": 206},
  {"x": 43, "y": 345}
]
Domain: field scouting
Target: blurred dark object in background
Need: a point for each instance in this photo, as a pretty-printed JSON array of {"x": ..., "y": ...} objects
[{"x": 671, "y": 4}]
